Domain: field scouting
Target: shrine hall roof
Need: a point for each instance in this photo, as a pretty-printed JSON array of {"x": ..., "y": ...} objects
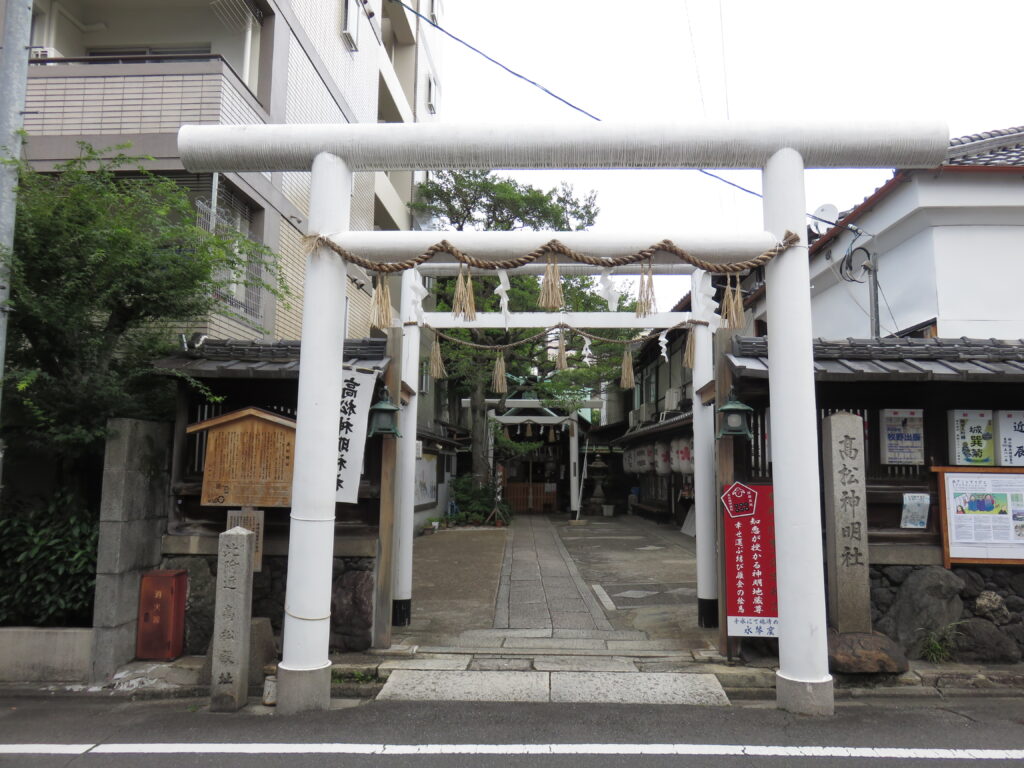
[
  {"x": 986, "y": 360},
  {"x": 230, "y": 358}
]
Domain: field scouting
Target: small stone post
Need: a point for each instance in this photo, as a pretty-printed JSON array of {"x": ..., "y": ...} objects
[
  {"x": 846, "y": 523},
  {"x": 229, "y": 679}
]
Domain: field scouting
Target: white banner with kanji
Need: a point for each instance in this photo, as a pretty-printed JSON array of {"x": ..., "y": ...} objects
[{"x": 356, "y": 398}]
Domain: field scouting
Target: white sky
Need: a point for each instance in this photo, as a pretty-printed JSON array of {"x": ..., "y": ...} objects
[{"x": 749, "y": 60}]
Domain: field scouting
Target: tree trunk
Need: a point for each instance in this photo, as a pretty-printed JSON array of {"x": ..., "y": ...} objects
[{"x": 481, "y": 438}]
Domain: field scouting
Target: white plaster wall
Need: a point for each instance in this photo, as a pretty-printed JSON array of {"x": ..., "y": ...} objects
[
  {"x": 355, "y": 72},
  {"x": 980, "y": 273}
]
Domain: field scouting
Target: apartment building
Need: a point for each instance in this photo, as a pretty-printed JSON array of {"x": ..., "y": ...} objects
[{"x": 114, "y": 71}]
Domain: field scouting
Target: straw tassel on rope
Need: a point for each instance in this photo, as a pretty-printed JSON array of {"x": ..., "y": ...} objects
[
  {"x": 690, "y": 352},
  {"x": 626, "y": 380},
  {"x": 732, "y": 303},
  {"x": 645, "y": 295},
  {"x": 561, "y": 363},
  {"x": 459, "y": 296},
  {"x": 437, "y": 369},
  {"x": 551, "y": 297},
  {"x": 380, "y": 308},
  {"x": 469, "y": 310},
  {"x": 498, "y": 383}
]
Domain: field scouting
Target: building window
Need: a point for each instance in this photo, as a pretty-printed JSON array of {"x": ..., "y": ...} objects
[
  {"x": 350, "y": 23},
  {"x": 229, "y": 211},
  {"x": 433, "y": 95}
]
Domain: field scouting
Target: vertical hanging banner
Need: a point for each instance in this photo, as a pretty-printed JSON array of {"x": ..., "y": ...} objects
[
  {"x": 752, "y": 598},
  {"x": 356, "y": 394}
]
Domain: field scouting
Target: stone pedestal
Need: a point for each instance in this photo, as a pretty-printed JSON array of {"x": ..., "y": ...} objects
[
  {"x": 229, "y": 679},
  {"x": 846, "y": 523}
]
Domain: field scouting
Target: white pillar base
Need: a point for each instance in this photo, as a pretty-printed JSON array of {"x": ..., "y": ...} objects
[
  {"x": 803, "y": 698},
  {"x": 303, "y": 690}
]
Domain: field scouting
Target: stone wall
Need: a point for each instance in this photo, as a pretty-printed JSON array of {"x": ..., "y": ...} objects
[
  {"x": 133, "y": 517},
  {"x": 351, "y": 602},
  {"x": 977, "y": 610}
]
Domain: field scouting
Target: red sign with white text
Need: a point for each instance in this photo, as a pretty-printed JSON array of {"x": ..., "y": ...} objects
[{"x": 751, "y": 594}]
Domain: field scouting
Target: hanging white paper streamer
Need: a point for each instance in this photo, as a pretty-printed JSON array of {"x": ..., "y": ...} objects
[
  {"x": 419, "y": 293},
  {"x": 608, "y": 291},
  {"x": 588, "y": 356},
  {"x": 663, "y": 343},
  {"x": 502, "y": 291}
]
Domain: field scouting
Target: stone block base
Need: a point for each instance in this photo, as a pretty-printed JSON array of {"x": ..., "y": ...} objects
[
  {"x": 804, "y": 698},
  {"x": 303, "y": 690}
]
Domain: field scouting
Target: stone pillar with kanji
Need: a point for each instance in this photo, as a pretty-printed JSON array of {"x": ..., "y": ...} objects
[
  {"x": 846, "y": 524},
  {"x": 229, "y": 683}
]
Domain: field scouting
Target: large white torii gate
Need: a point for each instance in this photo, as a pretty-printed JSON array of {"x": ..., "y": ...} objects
[{"x": 780, "y": 149}]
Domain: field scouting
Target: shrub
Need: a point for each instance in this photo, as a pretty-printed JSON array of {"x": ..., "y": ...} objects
[{"x": 48, "y": 565}]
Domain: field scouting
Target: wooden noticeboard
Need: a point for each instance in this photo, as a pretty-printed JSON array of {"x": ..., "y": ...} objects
[
  {"x": 250, "y": 456},
  {"x": 982, "y": 514}
]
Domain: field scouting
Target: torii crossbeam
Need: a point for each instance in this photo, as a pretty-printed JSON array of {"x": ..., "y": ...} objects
[{"x": 781, "y": 150}]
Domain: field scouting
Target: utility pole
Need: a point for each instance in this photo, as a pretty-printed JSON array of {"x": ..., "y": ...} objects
[{"x": 14, "y": 72}]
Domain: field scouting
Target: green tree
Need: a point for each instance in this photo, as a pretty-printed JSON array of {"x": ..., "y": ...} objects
[
  {"x": 484, "y": 201},
  {"x": 108, "y": 266}
]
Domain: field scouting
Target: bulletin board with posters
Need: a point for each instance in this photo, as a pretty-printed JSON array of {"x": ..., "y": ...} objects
[{"x": 982, "y": 514}]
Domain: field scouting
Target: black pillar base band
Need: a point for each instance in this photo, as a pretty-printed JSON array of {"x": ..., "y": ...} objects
[
  {"x": 707, "y": 613},
  {"x": 401, "y": 613}
]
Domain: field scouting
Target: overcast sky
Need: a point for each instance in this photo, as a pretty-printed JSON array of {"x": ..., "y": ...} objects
[{"x": 681, "y": 60}]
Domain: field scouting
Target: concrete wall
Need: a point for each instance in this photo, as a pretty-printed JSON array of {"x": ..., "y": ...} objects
[
  {"x": 45, "y": 654},
  {"x": 946, "y": 246},
  {"x": 133, "y": 518}
]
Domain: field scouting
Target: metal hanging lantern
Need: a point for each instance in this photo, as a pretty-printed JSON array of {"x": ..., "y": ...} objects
[
  {"x": 383, "y": 417},
  {"x": 735, "y": 419}
]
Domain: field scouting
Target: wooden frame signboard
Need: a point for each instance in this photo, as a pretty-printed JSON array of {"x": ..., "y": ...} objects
[{"x": 982, "y": 513}]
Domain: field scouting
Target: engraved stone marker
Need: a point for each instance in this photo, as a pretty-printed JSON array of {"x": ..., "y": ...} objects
[
  {"x": 846, "y": 523},
  {"x": 229, "y": 679}
]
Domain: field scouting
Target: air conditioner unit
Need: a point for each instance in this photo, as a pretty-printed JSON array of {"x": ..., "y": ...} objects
[
  {"x": 672, "y": 397},
  {"x": 38, "y": 52},
  {"x": 648, "y": 412},
  {"x": 634, "y": 418},
  {"x": 666, "y": 415}
]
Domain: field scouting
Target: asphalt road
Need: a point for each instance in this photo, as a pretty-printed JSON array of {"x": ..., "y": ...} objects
[{"x": 393, "y": 734}]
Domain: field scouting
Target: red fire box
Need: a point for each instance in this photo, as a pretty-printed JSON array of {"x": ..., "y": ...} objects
[{"x": 161, "y": 632}]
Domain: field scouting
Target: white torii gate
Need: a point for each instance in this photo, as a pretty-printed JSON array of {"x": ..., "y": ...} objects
[{"x": 781, "y": 150}]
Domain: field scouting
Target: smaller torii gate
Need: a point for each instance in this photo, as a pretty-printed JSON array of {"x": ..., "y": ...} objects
[{"x": 780, "y": 150}]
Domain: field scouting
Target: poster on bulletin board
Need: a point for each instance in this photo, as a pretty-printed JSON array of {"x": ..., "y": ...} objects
[{"x": 982, "y": 515}]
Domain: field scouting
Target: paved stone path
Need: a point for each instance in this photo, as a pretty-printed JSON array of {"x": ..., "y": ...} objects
[
  {"x": 541, "y": 588},
  {"x": 551, "y": 639}
]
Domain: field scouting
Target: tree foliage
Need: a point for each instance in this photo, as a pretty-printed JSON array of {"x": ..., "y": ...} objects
[
  {"x": 484, "y": 201},
  {"x": 108, "y": 266}
]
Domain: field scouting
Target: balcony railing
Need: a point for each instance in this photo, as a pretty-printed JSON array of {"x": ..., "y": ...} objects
[{"x": 135, "y": 94}]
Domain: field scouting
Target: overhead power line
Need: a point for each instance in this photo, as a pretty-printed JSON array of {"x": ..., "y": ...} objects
[{"x": 569, "y": 104}]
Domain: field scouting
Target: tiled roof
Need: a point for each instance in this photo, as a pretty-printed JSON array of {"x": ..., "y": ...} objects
[
  {"x": 228, "y": 358},
  {"x": 989, "y": 360},
  {"x": 1003, "y": 147}
]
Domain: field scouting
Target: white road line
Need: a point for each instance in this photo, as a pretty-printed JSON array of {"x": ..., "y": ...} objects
[
  {"x": 709, "y": 750},
  {"x": 45, "y": 749},
  {"x": 603, "y": 597}
]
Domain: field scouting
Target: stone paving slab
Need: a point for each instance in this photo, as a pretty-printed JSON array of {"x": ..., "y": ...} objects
[
  {"x": 567, "y": 605},
  {"x": 526, "y": 610},
  {"x": 553, "y": 644},
  {"x": 500, "y": 665},
  {"x": 418, "y": 685},
  {"x": 647, "y": 645},
  {"x": 626, "y": 688},
  {"x": 440, "y": 663},
  {"x": 503, "y": 633},
  {"x": 572, "y": 620},
  {"x": 600, "y": 634},
  {"x": 582, "y": 664}
]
